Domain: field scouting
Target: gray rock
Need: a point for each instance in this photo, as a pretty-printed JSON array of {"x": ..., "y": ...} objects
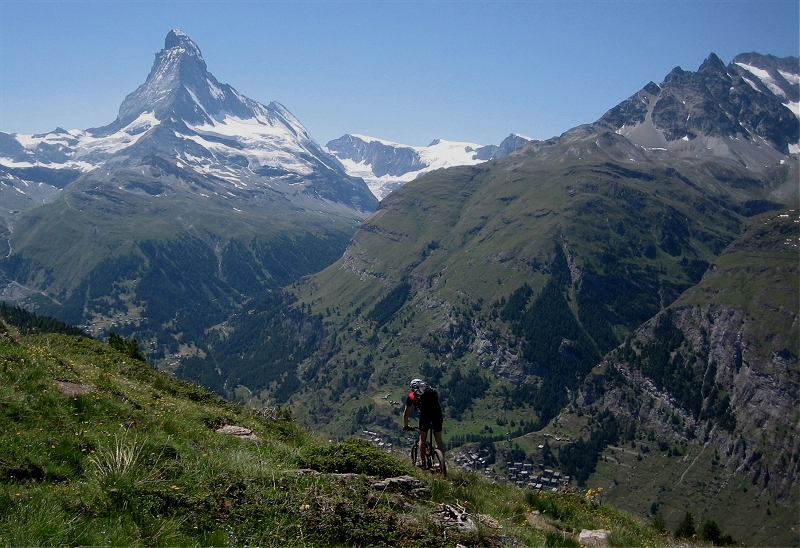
[
  {"x": 238, "y": 431},
  {"x": 597, "y": 538}
]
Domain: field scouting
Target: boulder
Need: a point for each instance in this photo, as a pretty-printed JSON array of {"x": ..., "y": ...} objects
[
  {"x": 238, "y": 431},
  {"x": 595, "y": 538}
]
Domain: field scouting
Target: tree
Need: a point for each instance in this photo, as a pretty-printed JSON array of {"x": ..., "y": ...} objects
[
  {"x": 710, "y": 531},
  {"x": 686, "y": 527},
  {"x": 659, "y": 524},
  {"x": 129, "y": 348}
]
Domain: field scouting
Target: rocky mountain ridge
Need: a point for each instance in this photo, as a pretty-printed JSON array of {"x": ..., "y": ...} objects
[{"x": 713, "y": 110}]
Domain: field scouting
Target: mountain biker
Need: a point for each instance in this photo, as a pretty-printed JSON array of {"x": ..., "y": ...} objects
[{"x": 426, "y": 401}]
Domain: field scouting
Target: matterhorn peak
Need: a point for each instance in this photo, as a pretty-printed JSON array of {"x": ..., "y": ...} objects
[
  {"x": 179, "y": 87},
  {"x": 178, "y": 41},
  {"x": 184, "y": 125},
  {"x": 175, "y": 38}
]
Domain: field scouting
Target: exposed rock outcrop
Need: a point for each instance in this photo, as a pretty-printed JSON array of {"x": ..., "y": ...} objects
[{"x": 238, "y": 431}]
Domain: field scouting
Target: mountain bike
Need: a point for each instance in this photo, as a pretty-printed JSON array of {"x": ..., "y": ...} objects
[{"x": 433, "y": 457}]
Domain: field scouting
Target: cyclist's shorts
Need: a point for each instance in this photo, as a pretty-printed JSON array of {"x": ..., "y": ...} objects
[{"x": 430, "y": 421}]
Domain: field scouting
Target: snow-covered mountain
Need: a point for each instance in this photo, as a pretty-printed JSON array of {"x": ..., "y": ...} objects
[
  {"x": 778, "y": 77},
  {"x": 386, "y": 165},
  {"x": 201, "y": 128},
  {"x": 165, "y": 222}
]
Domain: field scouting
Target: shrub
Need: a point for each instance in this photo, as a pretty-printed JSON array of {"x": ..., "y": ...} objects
[
  {"x": 129, "y": 348},
  {"x": 659, "y": 524},
  {"x": 353, "y": 456},
  {"x": 710, "y": 532}
]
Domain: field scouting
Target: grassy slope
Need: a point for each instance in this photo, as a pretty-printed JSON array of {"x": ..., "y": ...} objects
[
  {"x": 137, "y": 461},
  {"x": 758, "y": 275}
]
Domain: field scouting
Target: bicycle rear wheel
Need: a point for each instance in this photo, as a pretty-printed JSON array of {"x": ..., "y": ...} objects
[
  {"x": 439, "y": 466},
  {"x": 428, "y": 456}
]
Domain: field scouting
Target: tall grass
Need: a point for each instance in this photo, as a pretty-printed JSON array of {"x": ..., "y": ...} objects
[{"x": 119, "y": 460}]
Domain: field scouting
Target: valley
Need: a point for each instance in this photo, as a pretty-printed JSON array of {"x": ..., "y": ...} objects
[
  {"x": 618, "y": 303},
  {"x": 529, "y": 290}
]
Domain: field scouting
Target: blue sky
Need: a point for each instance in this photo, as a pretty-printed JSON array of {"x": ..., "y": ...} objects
[{"x": 407, "y": 71}]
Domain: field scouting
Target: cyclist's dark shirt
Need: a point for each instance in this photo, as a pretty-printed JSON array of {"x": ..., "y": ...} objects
[{"x": 430, "y": 412}]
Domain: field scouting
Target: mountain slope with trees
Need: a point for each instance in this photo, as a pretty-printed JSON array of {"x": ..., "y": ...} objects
[{"x": 522, "y": 273}]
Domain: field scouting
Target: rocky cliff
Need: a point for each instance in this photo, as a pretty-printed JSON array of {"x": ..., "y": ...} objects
[{"x": 719, "y": 368}]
